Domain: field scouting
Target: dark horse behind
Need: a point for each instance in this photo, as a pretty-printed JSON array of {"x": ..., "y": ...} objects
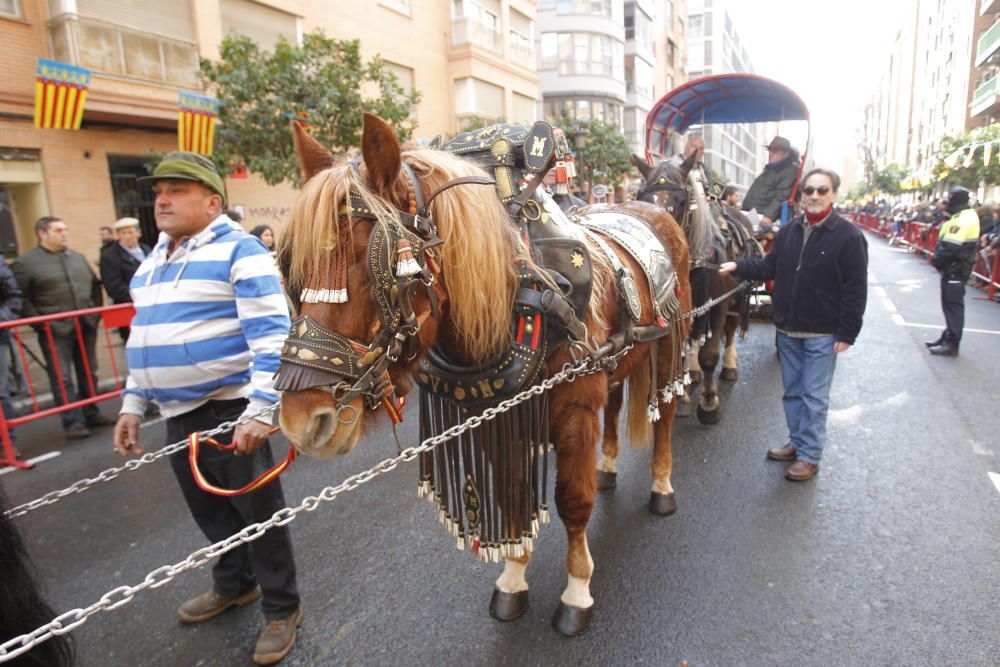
[{"x": 726, "y": 235}]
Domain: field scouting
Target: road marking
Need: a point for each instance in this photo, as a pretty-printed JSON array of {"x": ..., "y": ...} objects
[
  {"x": 878, "y": 289},
  {"x": 996, "y": 479},
  {"x": 901, "y": 322},
  {"x": 898, "y": 319},
  {"x": 889, "y": 305},
  {"x": 37, "y": 459}
]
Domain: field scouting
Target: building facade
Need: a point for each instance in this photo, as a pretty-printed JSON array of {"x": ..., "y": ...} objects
[
  {"x": 984, "y": 86},
  {"x": 734, "y": 151},
  {"x": 466, "y": 57}
]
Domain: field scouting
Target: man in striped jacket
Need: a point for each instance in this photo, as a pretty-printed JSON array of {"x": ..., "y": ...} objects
[{"x": 210, "y": 321}]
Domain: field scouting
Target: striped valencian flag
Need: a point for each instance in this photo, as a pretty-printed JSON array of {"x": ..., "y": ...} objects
[
  {"x": 60, "y": 94},
  {"x": 196, "y": 122}
]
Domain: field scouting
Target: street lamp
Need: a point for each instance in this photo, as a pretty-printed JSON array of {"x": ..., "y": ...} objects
[{"x": 580, "y": 140}]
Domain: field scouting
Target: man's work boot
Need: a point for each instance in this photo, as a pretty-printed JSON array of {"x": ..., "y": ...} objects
[
  {"x": 934, "y": 343},
  {"x": 800, "y": 471},
  {"x": 783, "y": 453},
  {"x": 211, "y": 604},
  {"x": 945, "y": 350},
  {"x": 277, "y": 638}
]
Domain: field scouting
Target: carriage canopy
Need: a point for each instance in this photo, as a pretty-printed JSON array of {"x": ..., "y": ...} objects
[{"x": 720, "y": 98}]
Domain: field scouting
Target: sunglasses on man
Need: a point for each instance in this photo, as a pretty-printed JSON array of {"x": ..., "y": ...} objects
[{"x": 822, "y": 190}]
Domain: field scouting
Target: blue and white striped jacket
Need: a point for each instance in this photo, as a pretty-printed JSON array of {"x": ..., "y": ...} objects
[{"x": 210, "y": 322}]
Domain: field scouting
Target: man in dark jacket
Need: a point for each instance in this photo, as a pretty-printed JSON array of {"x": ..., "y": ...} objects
[
  {"x": 955, "y": 257},
  {"x": 119, "y": 262},
  {"x": 774, "y": 185},
  {"x": 10, "y": 309},
  {"x": 819, "y": 265},
  {"x": 55, "y": 279}
]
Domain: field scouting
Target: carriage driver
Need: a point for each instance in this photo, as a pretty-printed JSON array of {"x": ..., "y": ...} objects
[{"x": 209, "y": 295}]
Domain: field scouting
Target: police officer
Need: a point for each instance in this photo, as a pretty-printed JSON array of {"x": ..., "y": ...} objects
[{"x": 954, "y": 258}]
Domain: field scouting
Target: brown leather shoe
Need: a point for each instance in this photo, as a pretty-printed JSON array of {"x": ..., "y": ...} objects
[
  {"x": 211, "y": 604},
  {"x": 277, "y": 638},
  {"x": 801, "y": 470},
  {"x": 785, "y": 453}
]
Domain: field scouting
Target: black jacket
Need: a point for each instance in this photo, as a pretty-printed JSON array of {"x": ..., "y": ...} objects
[
  {"x": 10, "y": 298},
  {"x": 117, "y": 268},
  {"x": 772, "y": 187},
  {"x": 823, "y": 292}
]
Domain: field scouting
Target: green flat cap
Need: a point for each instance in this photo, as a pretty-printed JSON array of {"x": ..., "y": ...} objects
[{"x": 186, "y": 166}]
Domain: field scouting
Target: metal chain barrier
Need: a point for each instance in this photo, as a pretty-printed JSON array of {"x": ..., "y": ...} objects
[
  {"x": 82, "y": 485},
  {"x": 122, "y": 595}
]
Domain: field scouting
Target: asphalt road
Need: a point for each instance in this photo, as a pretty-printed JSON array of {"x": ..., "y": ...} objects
[{"x": 890, "y": 556}]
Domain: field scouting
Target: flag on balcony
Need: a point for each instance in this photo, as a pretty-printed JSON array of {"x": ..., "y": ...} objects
[
  {"x": 196, "y": 122},
  {"x": 60, "y": 95}
]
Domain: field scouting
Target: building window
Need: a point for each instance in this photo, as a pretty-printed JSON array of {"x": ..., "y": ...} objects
[
  {"x": 262, "y": 24},
  {"x": 10, "y": 8},
  {"x": 695, "y": 26},
  {"x": 476, "y": 22},
  {"x": 639, "y": 76},
  {"x": 604, "y": 110},
  {"x": 108, "y": 48},
  {"x": 588, "y": 7},
  {"x": 475, "y": 97},
  {"x": 404, "y": 77},
  {"x": 522, "y": 40},
  {"x": 401, "y": 6},
  {"x": 523, "y": 109},
  {"x": 583, "y": 53},
  {"x": 638, "y": 25}
]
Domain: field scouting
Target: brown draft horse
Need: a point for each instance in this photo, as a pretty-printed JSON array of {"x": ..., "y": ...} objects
[
  {"x": 667, "y": 185},
  {"x": 476, "y": 289}
]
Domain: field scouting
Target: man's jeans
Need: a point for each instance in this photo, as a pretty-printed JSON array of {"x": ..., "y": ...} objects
[
  {"x": 5, "y": 402},
  {"x": 807, "y": 366},
  {"x": 71, "y": 363}
]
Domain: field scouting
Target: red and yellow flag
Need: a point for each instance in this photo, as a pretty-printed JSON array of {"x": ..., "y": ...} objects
[
  {"x": 60, "y": 94},
  {"x": 196, "y": 122}
]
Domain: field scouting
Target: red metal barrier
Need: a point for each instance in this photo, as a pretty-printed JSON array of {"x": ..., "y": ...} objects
[
  {"x": 987, "y": 269},
  {"x": 112, "y": 317}
]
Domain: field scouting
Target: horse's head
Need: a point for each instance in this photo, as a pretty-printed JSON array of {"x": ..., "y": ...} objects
[
  {"x": 383, "y": 257},
  {"x": 666, "y": 185}
]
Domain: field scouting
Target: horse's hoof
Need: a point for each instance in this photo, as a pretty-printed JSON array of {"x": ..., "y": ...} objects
[
  {"x": 508, "y": 606},
  {"x": 729, "y": 374},
  {"x": 606, "y": 480},
  {"x": 709, "y": 417},
  {"x": 662, "y": 504},
  {"x": 696, "y": 377},
  {"x": 571, "y": 621}
]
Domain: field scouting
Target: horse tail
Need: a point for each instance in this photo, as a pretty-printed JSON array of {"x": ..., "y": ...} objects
[{"x": 639, "y": 430}]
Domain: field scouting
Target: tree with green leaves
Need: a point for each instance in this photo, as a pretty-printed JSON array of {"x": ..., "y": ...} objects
[
  {"x": 324, "y": 82},
  {"x": 606, "y": 153},
  {"x": 888, "y": 180},
  {"x": 977, "y": 172}
]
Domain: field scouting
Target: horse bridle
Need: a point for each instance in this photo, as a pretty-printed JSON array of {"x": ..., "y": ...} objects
[{"x": 314, "y": 357}]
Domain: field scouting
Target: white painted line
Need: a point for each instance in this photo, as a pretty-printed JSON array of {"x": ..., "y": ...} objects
[
  {"x": 37, "y": 459},
  {"x": 889, "y": 305},
  {"x": 878, "y": 289},
  {"x": 996, "y": 479},
  {"x": 938, "y": 326},
  {"x": 898, "y": 319}
]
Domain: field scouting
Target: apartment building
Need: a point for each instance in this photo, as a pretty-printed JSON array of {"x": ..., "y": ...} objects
[
  {"x": 734, "y": 151},
  {"x": 467, "y": 58},
  {"x": 984, "y": 85}
]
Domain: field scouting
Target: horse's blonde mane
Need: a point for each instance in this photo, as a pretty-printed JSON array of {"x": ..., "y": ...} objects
[{"x": 478, "y": 257}]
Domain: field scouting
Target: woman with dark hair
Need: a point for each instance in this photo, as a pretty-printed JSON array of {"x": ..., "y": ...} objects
[
  {"x": 22, "y": 608},
  {"x": 265, "y": 234}
]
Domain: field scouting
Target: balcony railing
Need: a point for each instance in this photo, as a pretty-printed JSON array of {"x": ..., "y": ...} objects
[
  {"x": 988, "y": 44},
  {"x": 111, "y": 49},
  {"x": 985, "y": 96},
  {"x": 467, "y": 31}
]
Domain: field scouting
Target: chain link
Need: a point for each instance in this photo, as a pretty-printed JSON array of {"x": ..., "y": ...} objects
[
  {"x": 82, "y": 485},
  {"x": 122, "y": 595}
]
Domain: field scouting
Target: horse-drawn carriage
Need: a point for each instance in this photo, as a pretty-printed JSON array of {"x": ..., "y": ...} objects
[{"x": 728, "y": 98}]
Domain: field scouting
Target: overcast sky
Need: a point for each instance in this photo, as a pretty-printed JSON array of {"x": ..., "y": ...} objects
[{"x": 831, "y": 53}]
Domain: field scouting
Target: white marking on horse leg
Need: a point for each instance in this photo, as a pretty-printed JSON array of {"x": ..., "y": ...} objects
[
  {"x": 692, "y": 358},
  {"x": 577, "y": 593},
  {"x": 663, "y": 486},
  {"x": 512, "y": 579},
  {"x": 607, "y": 463},
  {"x": 729, "y": 356}
]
